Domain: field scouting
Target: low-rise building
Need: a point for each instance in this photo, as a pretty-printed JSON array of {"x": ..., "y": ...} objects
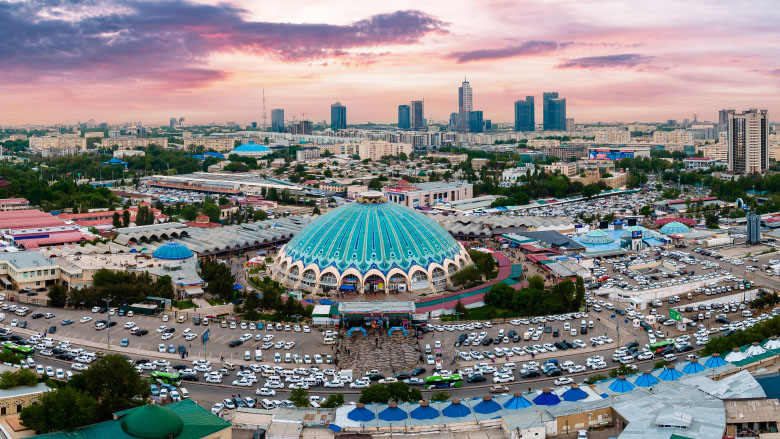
[
  {"x": 428, "y": 194},
  {"x": 27, "y": 269},
  {"x": 699, "y": 163},
  {"x": 453, "y": 158},
  {"x": 133, "y": 142},
  {"x": 513, "y": 175},
  {"x": 568, "y": 169},
  {"x": 7, "y": 204},
  {"x": 213, "y": 143},
  {"x": 123, "y": 153},
  {"x": 65, "y": 144},
  {"x": 307, "y": 153},
  {"x": 478, "y": 164}
]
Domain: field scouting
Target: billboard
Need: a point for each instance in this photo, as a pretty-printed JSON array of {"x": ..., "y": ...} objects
[
  {"x": 636, "y": 234},
  {"x": 610, "y": 154}
]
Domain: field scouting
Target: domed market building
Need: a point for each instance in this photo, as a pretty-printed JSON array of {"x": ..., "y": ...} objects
[{"x": 371, "y": 245}]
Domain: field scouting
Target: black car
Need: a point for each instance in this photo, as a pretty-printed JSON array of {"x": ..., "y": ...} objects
[
  {"x": 52, "y": 329},
  {"x": 142, "y": 361},
  {"x": 16, "y": 337},
  {"x": 196, "y": 321},
  {"x": 669, "y": 350},
  {"x": 729, "y": 332},
  {"x": 723, "y": 320},
  {"x": 141, "y": 332},
  {"x": 497, "y": 340},
  {"x": 632, "y": 344},
  {"x": 418, "y": 371},
  {"x": 559, "y": 345},
  {"x": 65, "y": 356},
  {"x": 554, "y": 373},
  {"x": 530, "y": 374},
  {"x": 376, "y": 377},
  {"x": 36, "y": 316},
  {"x": 511, "y": 333},
  {"x": 516, "y": 338},
  {"x": 23, "y": 324},
  {"x": 111, "y": 324},
  {"x": 235, "y": 343},
  {"x": 584, "y": 330},
  {"x": 477, "y": 379},
  {"x": 170, "y": 330},
  {"x": 400, "y": 376},
  {"x": 189, "y": 376},
  {"x": 487, "y": 342},
  {"x": 686, "y": 348},
  {"x": 548, "y": 329},
  {"x": 556, "y": 333},
  {"x": 180, "y": 366}
]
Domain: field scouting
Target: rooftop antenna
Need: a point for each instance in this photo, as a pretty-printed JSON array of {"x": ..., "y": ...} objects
[{"x": 265, "y": 119}]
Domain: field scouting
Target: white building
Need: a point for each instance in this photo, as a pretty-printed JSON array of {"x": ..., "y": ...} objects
[
  {"x": 612, "y": 136},
  {"x": 513, "y": 175}
]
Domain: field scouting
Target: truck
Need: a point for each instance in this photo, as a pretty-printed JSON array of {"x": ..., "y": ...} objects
[
  {"x": 713, "y": 242},
  {"x": 346, "y": 375}
]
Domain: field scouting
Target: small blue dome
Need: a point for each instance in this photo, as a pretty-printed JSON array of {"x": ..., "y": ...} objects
[
  {"x": 173, "y": 251},
  {"x": 595, "y": 237},
  {"x": 675, "y": 228}
]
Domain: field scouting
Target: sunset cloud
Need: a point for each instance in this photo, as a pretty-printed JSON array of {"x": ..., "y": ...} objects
[
  {"x": 527, "y": 48},
  {"x": 606, "y": 61}
]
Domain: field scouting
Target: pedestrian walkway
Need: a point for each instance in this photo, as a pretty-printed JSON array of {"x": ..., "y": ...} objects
[{"x": 378, "y": 351}]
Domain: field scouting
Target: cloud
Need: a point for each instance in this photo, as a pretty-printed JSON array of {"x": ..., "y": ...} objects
[
  {"x": 527, "y": 48},
  {"x": 170, "y": 41},
  {"x": 606, "y": 61},
  {"x": 772, "y": 72}
]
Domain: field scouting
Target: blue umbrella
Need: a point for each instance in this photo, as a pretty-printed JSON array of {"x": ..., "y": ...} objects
[
  {"x": 425, "y": 411},
  {"x": 547, "y": 398},
  {"x": 693, "y": 367},
  {"x": 393, "y": 414},
  {"x": 487, "y": 405},
  {"x": 620, "y": 385},
  {"x": 574, "y": 394},
  {"x": 715, "y": 361},
  {"x": 646, "y": 380},
  {"x": 670, "y": 374},
  {"x": 517, "y": 402},
  {"x": 361, "y": 414},
  {"x": 456, "y": 410}
]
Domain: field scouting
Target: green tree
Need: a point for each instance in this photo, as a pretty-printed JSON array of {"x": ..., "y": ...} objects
[
  {"x": 440, "y": 395},
  {"x": 212, "y": 211},
  {"x": 334, "y": 400},
  {"x": 114, "y": 383},
  {"x": 467, "y": 277},
  {"x": 595, "y": 378},
  {"x": 259, "y": 215},
  {"x": 300, "y": 398},
  {"x": 24, "y": 377},
  {"x": 316, "y": 211},
  {"x": 63, "y": 409},
  {"x": 189, "y": 212},
  {"x": 461, "y": 310},
  {"x": 126, "y": 218},
  {"x": 375, "y": 394},
  {"x": 591, "y": 190},
  {"x": 661, "y": 364},
  {"x": 58, "y": 296},
  {"x": 116, "y": 220},
  {"x": 646, "y": 211},
  {"x": 484, "y": 262},
  {"x": 622, "y": 370},
  {"x": 375, "y": 184}
]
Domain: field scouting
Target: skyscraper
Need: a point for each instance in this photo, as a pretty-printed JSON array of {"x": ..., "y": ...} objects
[
  {"x": 417, "y": 115},
  {"x": 723, "y": 118},
  {"x": 553, "y": 112},
  {"x": 403, "y": 117},
  {"x": 465, "y": 105},
  {"x": 475, "y": 122},
  {"x": 277, "y": 120},
  {"x": 747, "y": 147},
  {"x": 524, "y": 115},
  {"x": 338, "y": 117}
]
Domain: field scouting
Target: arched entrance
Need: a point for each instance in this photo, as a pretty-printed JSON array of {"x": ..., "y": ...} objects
[
  {"x": 374, "y": 284},
  {"x": 350, "y": 284}
]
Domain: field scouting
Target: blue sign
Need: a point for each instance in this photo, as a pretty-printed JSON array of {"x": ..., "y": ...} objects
[
  {"x": 205, "y": 336},
  {"x": 636, "y": 234}
]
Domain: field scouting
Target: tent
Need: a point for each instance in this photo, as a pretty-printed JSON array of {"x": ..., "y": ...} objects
[
  {"x": 574, "y": 393},
  {"x": 424, "y": 412},
  {"x": 517, "y": 402},
  {"x": 547, "y": 398},
  {"x": 646, "y": 380},
  {"x": 621, "y": 384},
  {"x": 456, "y": 410},
  {"x": 669, "y": 374},
  {"x": 393, "y": 413},
  {"x": 487, "y": 405},
  {"x": 735, "y": 356},
  {"x": 693, "y": 367},
  {"x": 754, "y": 350},
  {"x": 715, "y": 361},
  {"x": 326, "y": 302},
  {"x": 360, "y": 414},
  {"x": 772, "y": 344}
]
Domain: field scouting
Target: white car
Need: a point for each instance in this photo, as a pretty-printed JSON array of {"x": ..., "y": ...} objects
[
  {"x": 85, "y": 320},
  {"x": 129, "y": 325},
  {"x": 265, "y": 391},
  {"x": 330, "y": 384},
  {"x": 167, "y": 336},
  {"x": 268, "y": 337},
  {"x": 306, "y": 329},
  {"x": 161, "y": 348},
  {"x": 161, "y": 329},
  {"x": 191, "y": 336},
  {"x": 360, "y": 384},
  {"x": 243, "y": 382},
  {"x": 50, "y": 371},
  {"x": 214, "y": 378},
  {"x": 245, "y": 337},
  {"x": 216, "y": 408},
  {"x": 78, "y": 366},
  {"x": 562, "y": 381}
]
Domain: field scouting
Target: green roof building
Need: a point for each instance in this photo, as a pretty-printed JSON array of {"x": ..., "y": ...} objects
[{"x": 179, "y": 420}]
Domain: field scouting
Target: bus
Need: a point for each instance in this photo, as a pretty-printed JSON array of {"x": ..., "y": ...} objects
[
  {"x": 18, "y": 350},
  {"x": 440, "y": 382},
  {"x": 660, "y": 345},
  {"x": 172, "y": 379}
]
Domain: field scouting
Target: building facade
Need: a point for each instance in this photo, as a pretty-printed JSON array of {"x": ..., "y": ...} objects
[
  {"x": 429, "y": 194},
  {"x": 524, "y": 115},
  {"x": 417, "y": 115},
  {"x": 338, "y": 117},
  {"x": 465, "y": 105},
  {"x": 310, "y": 153},
  {"x": 277, "y": 120},
  {"x": 553, "y": 111},
  {"x": 476, "y": 123},
  {"x": 612, "y": 136},
  {"x": 747, "y": 142},
  {"x": 404, "y": 117},
  {"x": 213, "y": 143},
  {"x": 134, "y": 142}
]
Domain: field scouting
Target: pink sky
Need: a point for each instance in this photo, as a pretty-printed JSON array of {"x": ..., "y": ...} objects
[{"x": 137, "y": 60}]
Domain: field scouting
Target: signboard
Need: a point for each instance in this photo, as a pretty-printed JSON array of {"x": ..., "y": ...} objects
[
  {"x": 674, "y": 315},
  {"x": 205, "y": 337},
  {"x": 636, "y": 234},
  {"x": 610, "y": 154}
]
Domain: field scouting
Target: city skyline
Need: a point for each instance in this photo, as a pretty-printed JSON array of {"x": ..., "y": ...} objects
[{"x": 110, "y": 61}]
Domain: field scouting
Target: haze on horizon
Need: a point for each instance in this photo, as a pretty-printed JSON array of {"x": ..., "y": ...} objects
[{"x": 139, "y": 60}]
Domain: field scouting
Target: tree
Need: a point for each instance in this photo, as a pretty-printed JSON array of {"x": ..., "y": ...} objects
[
  {"x": 461, "y": 310},
  {"x": 622, "y": 370},
  {"x": 377, "y": 393},
  {"x": 484, "y": 262},
  {"x": 316, "y": 211},
  {"x": 300, "y": 398},
  {"x": 116, "y": 220},
  {"x": 661, "y": 364},
  {"x": 126, "y": 218},
  {"x": 467, "y": 277},
  {"x": 63, "y": 409},
  {"x": 595, "y": 378},
  {"x": 646, "y": 211},
  {"x": 24, "y": 377},
  {"x": 259, "y": 215},
  {"x": 440, "y": 395},
  {"x": 334, "y": 400},
  {"x": 212, "y": 211},
  {"x": 114, "y": 383},
  {"x": 591, "y": 190},
  {"x": 189, "y": 212},
  {"x": 375, "y": 184},
  {"x": 58, "y": 296}
]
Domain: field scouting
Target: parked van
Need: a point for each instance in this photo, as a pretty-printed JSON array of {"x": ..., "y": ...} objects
[
  {"x": 247, "y": 356},
  {"x": 267, "y": 404},
  {"x": 427, "y": 349},
  {"x": 228, "y": 365},
  {"x": 329, "y": 340},
  {"x": 268, "y": 373},
  {"x": 277, "y": 357},
  {"x": 258, "y": 355},
  {"x": 184, "y": 393},
  {"x": 590, "y": 324}
]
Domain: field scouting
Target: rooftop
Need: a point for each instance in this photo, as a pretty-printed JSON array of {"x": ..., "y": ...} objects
[{"x": 26, "y": 260}]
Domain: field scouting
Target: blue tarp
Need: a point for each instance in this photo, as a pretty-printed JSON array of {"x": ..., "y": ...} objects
[
  {"x": 574, "y": 394},
  {"x": 334, "y": 427},
  {"x": 621, "y": 385},
  {"x": 456, "y": 410},
  {"x": 326, "y": 302},
  {"x": 670, "y": 374},
  {"x": 693, "y": 367},
  {"x": 517, "y": 402},
  {"x": 547, "y": 398},
  {"x": 486, "y": 407},
  {"x": 646, "y": 380},
  {"x": 237, "y": 287},
  {"x": 715, "y": 361},
  {"x": 425, "y": 412},
  {"x": 361, "y": 414},
  {"x": 393, "y": 414}
]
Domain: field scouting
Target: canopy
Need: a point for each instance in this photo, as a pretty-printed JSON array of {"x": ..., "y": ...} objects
[
  {"x": 620, "y": 385},
  {"x": 517, "y": 402},
  {"x": 772, "y": 344},
  {"x": 715, "y": 361},
  {"x": 755, "y": 349},
  {"x": 361, "y": 414},
  {"x": 456, "y": 410},
  {"x": 393, "y": 414},
  {"x": 547, "y": 398},
  {"x": 486, "y": 406},
  {"x": 326, "y": 302},
  {"x": 735, "y": 356},
  {"x": 574, "y": 394},
  {"x": 424, "y": 411},
  {"x": 693, "y": 367},
  {"x": 670, "y": 374},
  {"x": 646, "y": 380},
  {"x": 347, "y": 287}
]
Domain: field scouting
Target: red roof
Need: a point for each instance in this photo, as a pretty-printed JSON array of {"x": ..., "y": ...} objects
[
  {"x": 13, "y": 200},
  {"x": 59, "y": 238},
  {"x": 698, "y": 159},
  {"x": 28, "y": 223},
  {"x": 693, "y": 200},
  {"x": 98, "y": 222},
  {"x": 206, "y": 225},
  {"x": 27, "y": 213}
]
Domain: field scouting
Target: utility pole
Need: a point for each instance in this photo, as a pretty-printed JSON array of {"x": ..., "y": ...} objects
[{"x": 108, "y": 327}]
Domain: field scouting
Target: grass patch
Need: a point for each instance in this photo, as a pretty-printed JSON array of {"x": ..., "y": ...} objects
[
  {"x": 183, "y": 304},
  {"x": 215, "y": 302},
  {"x": 483, "y": 313}
]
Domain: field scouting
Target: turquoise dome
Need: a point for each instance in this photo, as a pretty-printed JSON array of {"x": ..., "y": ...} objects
[
  {"x": 372, "y": 237},
  {"x": 675, "y": 228},
  {"x": 173, "y": 251},
  {"x": 595, "y": 237}
]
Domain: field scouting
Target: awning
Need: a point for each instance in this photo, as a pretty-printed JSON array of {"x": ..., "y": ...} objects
[
  {"x": 193, "y": 291},
  {"x": 347, "y": 287},
  {"x": 5, "y": 282}
]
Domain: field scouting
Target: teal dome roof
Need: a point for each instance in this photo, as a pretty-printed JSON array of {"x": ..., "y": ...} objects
[
  {"x": 597, "y": 237},
  {"x": 252, "y": 147},
  {"x": 675, "y": 228},
  {"x": 173, "y": 251},
  {"x": 372, "y": 235},
  {"x": 152, "y": 422}
]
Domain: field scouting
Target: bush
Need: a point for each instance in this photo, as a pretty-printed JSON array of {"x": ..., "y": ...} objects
[
  {"x": 758, "y": 332},
  {"x": 595, "y": 378},
  {"x": 535, "y": 299},
  {"x": 661, "y": 364},
  {"x": 23, "y": 377}
]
